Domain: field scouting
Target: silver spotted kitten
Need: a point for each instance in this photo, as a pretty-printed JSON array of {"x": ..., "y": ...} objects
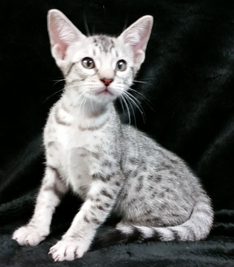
[{"x": 113, "y": 167}]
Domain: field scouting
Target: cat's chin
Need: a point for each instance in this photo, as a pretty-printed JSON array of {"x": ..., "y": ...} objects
[{"x": 104, "y": 96}]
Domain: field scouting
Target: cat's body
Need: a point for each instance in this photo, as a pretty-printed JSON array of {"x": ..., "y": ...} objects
[{"x": 113, "y": 167}]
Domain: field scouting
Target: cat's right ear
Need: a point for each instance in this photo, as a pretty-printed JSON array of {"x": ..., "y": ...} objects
[
  {"x": 62, "y": 33},
  {"x": 137, "y": 36}
]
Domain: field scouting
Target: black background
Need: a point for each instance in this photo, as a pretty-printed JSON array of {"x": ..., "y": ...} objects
[{"x": 188, "y": 101}]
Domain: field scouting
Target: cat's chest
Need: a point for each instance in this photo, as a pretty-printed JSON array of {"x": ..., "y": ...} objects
[
  {"x": 72, "y": 137},
  {"x": 68, "y": 133},
  {"x": 71, "y": 150}
]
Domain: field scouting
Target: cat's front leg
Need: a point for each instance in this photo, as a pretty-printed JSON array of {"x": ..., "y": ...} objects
[
  {"x": 49, "y": 197},
  {"x": 98, "y": 205}
]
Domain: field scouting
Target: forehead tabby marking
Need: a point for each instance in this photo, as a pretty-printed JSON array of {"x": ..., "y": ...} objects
[{"x": 104, "y": 43}]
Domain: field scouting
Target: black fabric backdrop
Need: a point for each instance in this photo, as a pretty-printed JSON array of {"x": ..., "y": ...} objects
[{"x": 189, "y": 87}]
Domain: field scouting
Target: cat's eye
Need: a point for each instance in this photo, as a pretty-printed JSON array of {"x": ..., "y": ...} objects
[
  {"x": 88, "y": 63},
  {"x": 121, "y": 65}
]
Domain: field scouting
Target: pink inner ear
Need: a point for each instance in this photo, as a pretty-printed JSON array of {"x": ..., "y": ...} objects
[
  {"x": 61, "y": 50},
  {"x": 143, "y": 35},
  {"x": 137, "y": 36},
  {"x": 56, "y": 39}
]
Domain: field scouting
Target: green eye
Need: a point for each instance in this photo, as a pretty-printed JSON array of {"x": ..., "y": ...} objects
[
  {"x": 121, "y": 65},
  {"x": 88, "y": 63}
]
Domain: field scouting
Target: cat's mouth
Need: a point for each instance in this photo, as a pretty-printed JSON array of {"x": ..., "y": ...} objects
[{"x": 105, "y": 91}]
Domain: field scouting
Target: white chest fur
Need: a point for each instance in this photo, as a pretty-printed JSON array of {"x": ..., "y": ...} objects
[{"x": 70, "y": 142}]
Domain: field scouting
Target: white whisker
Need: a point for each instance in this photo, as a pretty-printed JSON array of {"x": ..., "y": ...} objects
[
  {"x": 128, "y": 112},
  {"x": 137, "y": 81},
  {"x": 137, "y": 103},
  {"x": 147, "y": 101},
  {"x": 52, "y": 95},
  {"x": 58, "y": 81},
  {"x": 130, "y": 104}
]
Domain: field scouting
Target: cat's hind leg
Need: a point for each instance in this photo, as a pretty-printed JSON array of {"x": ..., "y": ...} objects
[{"x": 49, "y": 197}]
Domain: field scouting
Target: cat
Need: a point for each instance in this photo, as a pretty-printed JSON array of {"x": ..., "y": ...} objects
[{"x": 113, "y": 167}]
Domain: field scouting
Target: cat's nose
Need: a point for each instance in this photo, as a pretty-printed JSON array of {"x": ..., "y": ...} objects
[{"x": 107, "y": 81}]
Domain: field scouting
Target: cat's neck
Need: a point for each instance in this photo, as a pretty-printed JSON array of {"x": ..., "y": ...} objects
[{"x": 85, "y": 113}]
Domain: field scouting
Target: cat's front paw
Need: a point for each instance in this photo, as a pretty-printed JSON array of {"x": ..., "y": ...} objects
[
  {"x": 68, "y": 249},
  {"x": 29, "y": 235}
]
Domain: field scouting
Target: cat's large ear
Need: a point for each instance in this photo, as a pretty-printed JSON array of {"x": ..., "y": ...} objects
[
  {"x": 62, "y": 33},
  {"x": 137, "y": 36}
]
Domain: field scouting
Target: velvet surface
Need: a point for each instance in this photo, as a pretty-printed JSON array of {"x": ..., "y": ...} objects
[{"x": 188, "y": 85}]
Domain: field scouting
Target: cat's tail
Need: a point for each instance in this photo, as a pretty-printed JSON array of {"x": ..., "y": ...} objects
[{"x": 197, "y": 227}]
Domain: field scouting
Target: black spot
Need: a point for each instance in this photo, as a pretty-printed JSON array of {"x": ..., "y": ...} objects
[
  {"x": 135, "y": 173},
  {"x": 92, "y": 212},
  {"x": 150, "y": 177},
  {"x": 161, "y": 195},
  {"x": 86, "y": 219},
  {"x": 108, "y": 177},
  {"x": 140, "y": 178},
  {"x": 125, "y": 195},
  {"x": 175, "y": 234},
  {"x": 107, "y": 205},
  {"x": 147, "y": 212},
  {"x": 100, "y": 207},
  {"x": 139, "y": 187},
  {"x": 49, "y": 144},
  {"x": 133, "y": 161},
  {"x": 173, "y": 173},
  {"x": 133, "y": 200},
  {"x": 105, "y": 193},
  {"x": 174, "y": 161},
  {"x": 155, "y": 236},
  {"x": 166, "y": 166},
  {"x": 117, "y": 183},
  {"x": 109, "y": 238},
  {"x": 93, "y": 207},
  {"x": 95, "y": 220},
  {"x": 98, "y": 176},
  {"x": 107, "y": 163},
  {"x": 96, "y": 155},
  {"x": 158, "y": 178}
]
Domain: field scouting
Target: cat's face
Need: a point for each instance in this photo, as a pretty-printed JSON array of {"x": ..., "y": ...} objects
[
  {"x": 98, "y": 68},
  {"x": 102, "y": 68}
]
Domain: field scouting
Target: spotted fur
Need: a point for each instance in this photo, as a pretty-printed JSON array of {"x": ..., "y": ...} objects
[{"x": 113, "y": 167}]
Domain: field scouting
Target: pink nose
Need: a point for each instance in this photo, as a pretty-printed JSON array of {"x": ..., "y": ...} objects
[{"x": 107, "y": 81}]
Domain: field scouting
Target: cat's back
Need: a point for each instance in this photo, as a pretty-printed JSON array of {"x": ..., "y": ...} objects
[{"x": 142, "y": 152}]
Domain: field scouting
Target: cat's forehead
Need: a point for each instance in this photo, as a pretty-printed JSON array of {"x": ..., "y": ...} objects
[{"x": 103, "y": 43}]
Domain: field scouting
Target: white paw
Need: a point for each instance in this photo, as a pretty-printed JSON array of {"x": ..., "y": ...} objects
[
  {"x": 29, "y": 235},
  {"x": 68, "y": 249}
]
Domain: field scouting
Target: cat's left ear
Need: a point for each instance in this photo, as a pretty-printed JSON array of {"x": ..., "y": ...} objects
[
  {"x": 62, "y": 33},
  {"x": 137, "y": 36}
]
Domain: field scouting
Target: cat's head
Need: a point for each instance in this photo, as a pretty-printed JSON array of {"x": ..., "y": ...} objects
[{"x": 99, "y": 68}]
